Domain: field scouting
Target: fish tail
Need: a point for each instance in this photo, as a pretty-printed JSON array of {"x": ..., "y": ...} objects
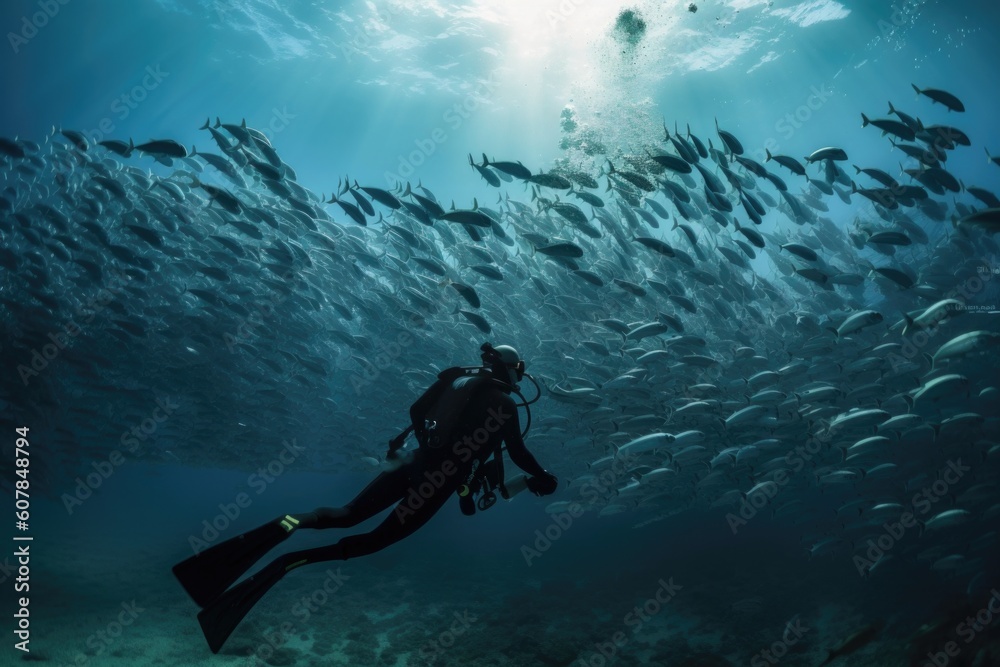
[
  {"x": 218, "y": 123},
  {"x": 769, "y": 156},
  {"x": 208, "y": 120},
  {"x": 915, "y": 88},
  {"x": 864, "y": 120},
  {"x": 909, "y": 323},
  {"x": 486, "y": 162}
]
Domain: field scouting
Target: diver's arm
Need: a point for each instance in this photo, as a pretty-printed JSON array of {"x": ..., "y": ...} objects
[{"x": 511, "y": 432}]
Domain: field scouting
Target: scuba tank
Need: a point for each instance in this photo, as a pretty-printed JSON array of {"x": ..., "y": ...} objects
[{"x": 490, "y": 476}]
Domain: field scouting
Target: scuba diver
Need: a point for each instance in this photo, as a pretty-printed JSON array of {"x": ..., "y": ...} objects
[{"x": 459, "y": 424}]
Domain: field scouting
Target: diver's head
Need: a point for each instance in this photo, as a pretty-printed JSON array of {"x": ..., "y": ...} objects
[{"x": 504, "y": 363}]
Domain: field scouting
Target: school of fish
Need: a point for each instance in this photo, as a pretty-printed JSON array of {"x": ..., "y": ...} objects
[{"x": 707, "y": 338}]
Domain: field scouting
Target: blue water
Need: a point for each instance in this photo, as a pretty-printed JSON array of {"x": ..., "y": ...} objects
[{"x": 388, "y": 93}]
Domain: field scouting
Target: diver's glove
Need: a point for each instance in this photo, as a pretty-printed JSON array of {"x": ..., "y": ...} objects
[{"x": 544, "y": 484}]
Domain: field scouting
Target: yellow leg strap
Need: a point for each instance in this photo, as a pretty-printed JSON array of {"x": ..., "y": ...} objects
[{"x": 295, "y": 565}]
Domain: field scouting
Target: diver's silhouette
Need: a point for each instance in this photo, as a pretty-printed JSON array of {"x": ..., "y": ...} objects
[{"x": 460, "y": 423}]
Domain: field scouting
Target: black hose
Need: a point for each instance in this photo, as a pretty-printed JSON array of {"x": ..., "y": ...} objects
[{"x": 525, "y": 403}]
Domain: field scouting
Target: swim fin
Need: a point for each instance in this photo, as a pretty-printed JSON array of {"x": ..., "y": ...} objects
[
  {"x": 207, "y": 575},
  {"x": 220, "y": 618}
]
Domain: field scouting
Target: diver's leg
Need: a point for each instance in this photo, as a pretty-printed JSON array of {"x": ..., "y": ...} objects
[
  {"x": 380, "y": 494},
  {"x": 207, "y": 574},
  {"x": 221, "y": 617},
  {"x": 404, "y": 520}
]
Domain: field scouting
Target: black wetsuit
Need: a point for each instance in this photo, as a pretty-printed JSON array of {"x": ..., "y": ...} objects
[{"x": 422, "y": 486}]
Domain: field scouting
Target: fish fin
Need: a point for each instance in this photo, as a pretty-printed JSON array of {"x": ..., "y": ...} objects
[
  {"x": 207, "y": 121},
  {"x": 218, "y": 123},
  {"x": 486, "y": 162}
]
